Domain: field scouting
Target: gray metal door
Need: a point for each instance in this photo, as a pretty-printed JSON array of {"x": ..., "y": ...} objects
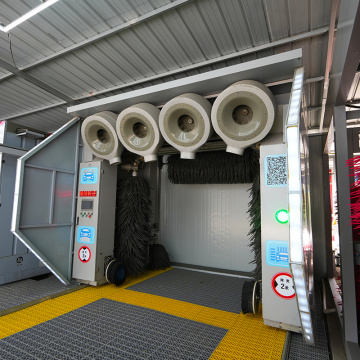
[{"x": 44, "y": 199}]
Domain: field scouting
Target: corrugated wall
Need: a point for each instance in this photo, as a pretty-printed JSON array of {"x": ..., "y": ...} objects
[{"x": 206, "y": 225}]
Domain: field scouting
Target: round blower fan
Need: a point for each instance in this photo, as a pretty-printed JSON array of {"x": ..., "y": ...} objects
[
  {"x": 185, "y": 123},
  {"x": 243, "y": 114},
  {"x": 138, "y": 130},
  {"x": 98, "y": 132}
]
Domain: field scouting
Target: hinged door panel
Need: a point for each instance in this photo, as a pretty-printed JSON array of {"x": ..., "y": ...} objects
[{"x": 44, "y": 199}]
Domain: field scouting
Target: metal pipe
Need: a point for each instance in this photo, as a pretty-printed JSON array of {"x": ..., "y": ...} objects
[{"x": 329, "y": 58}]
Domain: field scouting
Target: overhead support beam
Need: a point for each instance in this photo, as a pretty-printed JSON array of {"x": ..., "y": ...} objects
[
  {"x": 266, "y": 70},
  {"x": 351, "y": 64},
  {"x": 15, "y": 116},
  {"x": 13, "y": 151},
  {"x": 6, "y": 76},
  {"x": 252, "y": 50},
  {"x": 34, "y": 81},
  {"x": 315, "y": 79},
  {"x": 159, "y": 11},
  {"x": 353, "y": 115},
  {"x": 346, "y": 57},
  {"x": 314, "y": 108},
  {"x": 69, "y": 101},
  {"x": 329, "y": 58}
]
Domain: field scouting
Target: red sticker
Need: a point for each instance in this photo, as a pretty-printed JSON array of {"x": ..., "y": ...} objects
[
  {"x": 84, "y": 254},
  {"x": 283, "y": 285}
]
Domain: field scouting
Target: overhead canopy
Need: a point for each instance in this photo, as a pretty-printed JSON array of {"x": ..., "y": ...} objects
[{"x": 77, "y": 51}]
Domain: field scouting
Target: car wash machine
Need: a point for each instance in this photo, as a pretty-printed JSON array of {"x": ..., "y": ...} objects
[{"x": 72, "y": 233}]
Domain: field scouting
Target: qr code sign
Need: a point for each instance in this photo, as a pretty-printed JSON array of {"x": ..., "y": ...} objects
[{"x": 275, "y": 170}]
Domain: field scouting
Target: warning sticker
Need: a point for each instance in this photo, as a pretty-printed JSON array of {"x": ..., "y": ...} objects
[
  {"x": 84, "y": 254},
  {"x": 283, "y": 286}
]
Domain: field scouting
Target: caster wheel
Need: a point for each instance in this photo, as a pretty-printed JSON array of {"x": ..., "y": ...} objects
[
  {"x": 250, "y": 297},
  {"x": 115, "y": 272}
]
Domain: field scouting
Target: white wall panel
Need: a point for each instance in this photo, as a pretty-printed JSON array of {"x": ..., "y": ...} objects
[{"x": 206, "y": 225}]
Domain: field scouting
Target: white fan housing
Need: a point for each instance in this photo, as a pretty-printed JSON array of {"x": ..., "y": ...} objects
[
  {"x": 138, "y": 130},
  {"x": 185, "y": 123},
  {"x": 99, "y": 134},
  {"x": 243, "y": 114}
]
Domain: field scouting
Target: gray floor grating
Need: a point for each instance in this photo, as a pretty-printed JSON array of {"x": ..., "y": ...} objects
[
  {"x": 22, "y": 292},
  {"x": 300, "y": 350},
  {"x": 214, "y": 291},
  {"x": 107, "y": 329}
]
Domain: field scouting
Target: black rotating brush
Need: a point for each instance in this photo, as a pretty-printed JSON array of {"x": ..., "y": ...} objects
[
  {"x": 214, "y": 167},
  {"x": 220, "y": 167},
  {"x": 255, "y": 225},
  {"x": 159, "y": 258},
  {"x": 133, "y": 231}
]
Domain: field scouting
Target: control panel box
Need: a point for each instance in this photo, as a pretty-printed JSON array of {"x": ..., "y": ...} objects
[
  {"x": 95, "y": 219},
  {"x": 278, "y": 291}
]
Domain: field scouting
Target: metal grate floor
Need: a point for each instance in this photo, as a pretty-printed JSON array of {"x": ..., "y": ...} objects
[
  {"x": 107, "y": 329},
  {"x": 108, "y": 322},
  {"x": 210, "y": 290},
  {"x": 299, "y": 349},
  {"x": 22, "y": 292}
]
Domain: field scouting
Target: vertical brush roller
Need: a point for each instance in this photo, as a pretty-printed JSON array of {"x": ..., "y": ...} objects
[
  {"x": 132, "y": 232},
  {"x": 255, "y": 225}
]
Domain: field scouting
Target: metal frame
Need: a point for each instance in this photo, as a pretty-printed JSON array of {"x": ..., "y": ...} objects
[
  {"x": 350, "y": 326},
  {"x": 10, "y": 150},
  {"x": 268, "y": 69},
  {"x": 252, "y": 50},
  {"x": 329, "y": 57},
  {"x": 297, "y": 207},
  {"x": 318, "y": 206},
  {"x": 15, "y": 226}
]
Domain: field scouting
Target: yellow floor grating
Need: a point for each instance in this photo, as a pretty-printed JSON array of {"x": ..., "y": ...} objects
[{"x": 248, "y": 338}]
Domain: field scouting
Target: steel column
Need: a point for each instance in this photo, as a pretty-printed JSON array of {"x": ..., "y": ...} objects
[{"x": 345, "y": 231}]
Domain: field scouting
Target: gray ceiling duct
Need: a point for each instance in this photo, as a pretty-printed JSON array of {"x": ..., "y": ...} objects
[
  {"x": 138, "y": 130},
  {"x": 243, "y": 114},
  {"x": 185, "y": 123},
  {"x": 99, "y": 134}
]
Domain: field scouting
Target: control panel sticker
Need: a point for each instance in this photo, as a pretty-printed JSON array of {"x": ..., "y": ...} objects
[
  {"x": 84, "y": 254},
  {"x": 283, "y": 285},
  {"x": 277, "y": 253},
  {"x": 86, "y": 234},
  {"x": 89, "y": 175},
  {"x": 275, "y": 169}
]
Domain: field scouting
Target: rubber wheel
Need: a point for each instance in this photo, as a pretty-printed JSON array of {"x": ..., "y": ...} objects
[
  {"x": 115, "y": 273},
  {"x": 250, "y": 297}
]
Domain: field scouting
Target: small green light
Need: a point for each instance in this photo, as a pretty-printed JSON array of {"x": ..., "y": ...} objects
[{"x": 282, "y": 216}]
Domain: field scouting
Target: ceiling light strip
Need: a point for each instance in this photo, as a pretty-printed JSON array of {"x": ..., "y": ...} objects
[{"x": 28, "y": 15}]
